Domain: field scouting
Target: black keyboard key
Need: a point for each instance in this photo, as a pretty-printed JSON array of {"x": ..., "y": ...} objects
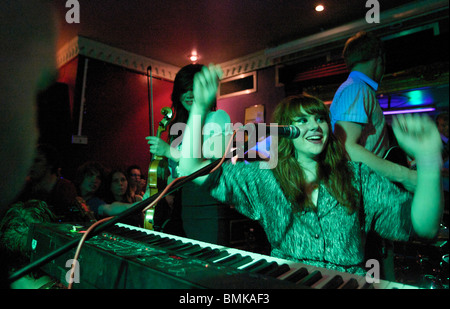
[
  {"x": 131, "y": 234},
  {"x": 220, "y": 254},
  {"x": 350, "y": 284},
  {"x": 311, "y": 278},
  {"x": 166, "y": 243},
  {"x": 265, "y": 268},
  {"x": 298, "y": 275},
  {"x": 177, "y": 245},
  {"x": 209, "y": 255},
  {"x": 161, "y": 242},
  {"x": 199, "y": 252},
  {"x": 243, "y": 261},
  {"x": 368, "y": 286},
  {"x": 190, "y": 249},
  {"x": 206, "y": 254},
  {"x": 153, "y": 240},
  {"x": 334, "y": 282},
  {"x": 282, "y": 269},
  {"x": 255, "y": 265},
  {"x": 139, "y": 237},
  {"x": 229, "y": 259}
]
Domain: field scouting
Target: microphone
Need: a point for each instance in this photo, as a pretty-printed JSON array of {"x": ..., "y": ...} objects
[
  {"x": 290, "y": 132},
  {"x": 261, "y": 129}
]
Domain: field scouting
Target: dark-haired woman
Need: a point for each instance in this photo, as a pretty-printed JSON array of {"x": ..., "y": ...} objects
[{"x": 203, "y": 217}]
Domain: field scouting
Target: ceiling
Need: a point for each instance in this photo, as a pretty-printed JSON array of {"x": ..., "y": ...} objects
[{"x": 219, "y": 30}]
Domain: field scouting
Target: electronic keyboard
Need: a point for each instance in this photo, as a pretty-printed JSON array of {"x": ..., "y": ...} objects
[{"x": 129, "y": 257}]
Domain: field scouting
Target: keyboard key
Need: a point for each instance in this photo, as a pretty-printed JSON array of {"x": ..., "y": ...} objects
[
  {"x": 311, "y": 278},
  {"x": 352, "y": 283},
  {"x": 298, "y": 275},
  {"x": 334, "y": 282}
]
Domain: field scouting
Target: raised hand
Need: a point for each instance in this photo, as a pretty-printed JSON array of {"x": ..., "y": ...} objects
[
  {"x": 206, "y": 83},
  {"x": 417, "y": 135}
]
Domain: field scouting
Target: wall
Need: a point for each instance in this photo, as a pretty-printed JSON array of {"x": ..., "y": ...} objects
[
  {"x": 68, "y": 75},
  {"x": 116, "y": 114},
  {"x": 116, "y": 111},
  {"x": 266, "y": 94}
]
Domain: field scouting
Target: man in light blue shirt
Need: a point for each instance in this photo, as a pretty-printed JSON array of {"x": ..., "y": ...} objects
[
  {"x": 359, "y": 123},
  {"x": 357, "y": 118}
]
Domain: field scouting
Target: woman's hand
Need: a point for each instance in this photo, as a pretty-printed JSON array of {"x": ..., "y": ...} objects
[
  {"x": 158, "y": 147},
  {"x": 206, "y": 83},
  {"x": 417, "y": 135}
]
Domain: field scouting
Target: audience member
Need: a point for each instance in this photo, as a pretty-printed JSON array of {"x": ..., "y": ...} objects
[
  {"x": 136, "y": 182},
  {"x": 14, "y": 230},
  {"x": 90, "y": 183},
  {"x": 27, "y": 66},
  {"x": 45, "y": 183},
  {"x": 119, "y": 194}
]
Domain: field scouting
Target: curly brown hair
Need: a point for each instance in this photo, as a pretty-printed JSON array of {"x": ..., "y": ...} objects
[{"x": 16, "y": 225}]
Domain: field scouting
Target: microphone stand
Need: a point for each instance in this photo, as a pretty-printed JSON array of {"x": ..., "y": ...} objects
[{"x": 100, "y": 228}]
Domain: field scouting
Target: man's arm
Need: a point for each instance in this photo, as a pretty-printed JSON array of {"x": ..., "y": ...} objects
[{"x": 349, "y": 133}]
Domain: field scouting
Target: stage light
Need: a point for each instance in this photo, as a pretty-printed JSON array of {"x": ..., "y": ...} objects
[
  {"x": 319, "y": 8},
  {"x": 409, "y": 111},
  {"x": 193, "y": 57}
]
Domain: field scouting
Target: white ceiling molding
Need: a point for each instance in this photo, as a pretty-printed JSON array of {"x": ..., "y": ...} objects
[
  {"x": 99, "y": 51},
  {"x": 246, "y": 64}
]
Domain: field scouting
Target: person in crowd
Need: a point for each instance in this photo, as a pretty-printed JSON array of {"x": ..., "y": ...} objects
[
  {"x": 90, "y": 180},
  {"x": 210, "y": 221},
  {"x": 45, "y": 183},
  {"x": 14, "y": 229},
  {"x": 314, "y": 204},
  {"x": 27, "y": 67},
  {"x": 92, "y": 183},
  {"x": 136, "y": 182},
  {"x": 118, "y": 194}
]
